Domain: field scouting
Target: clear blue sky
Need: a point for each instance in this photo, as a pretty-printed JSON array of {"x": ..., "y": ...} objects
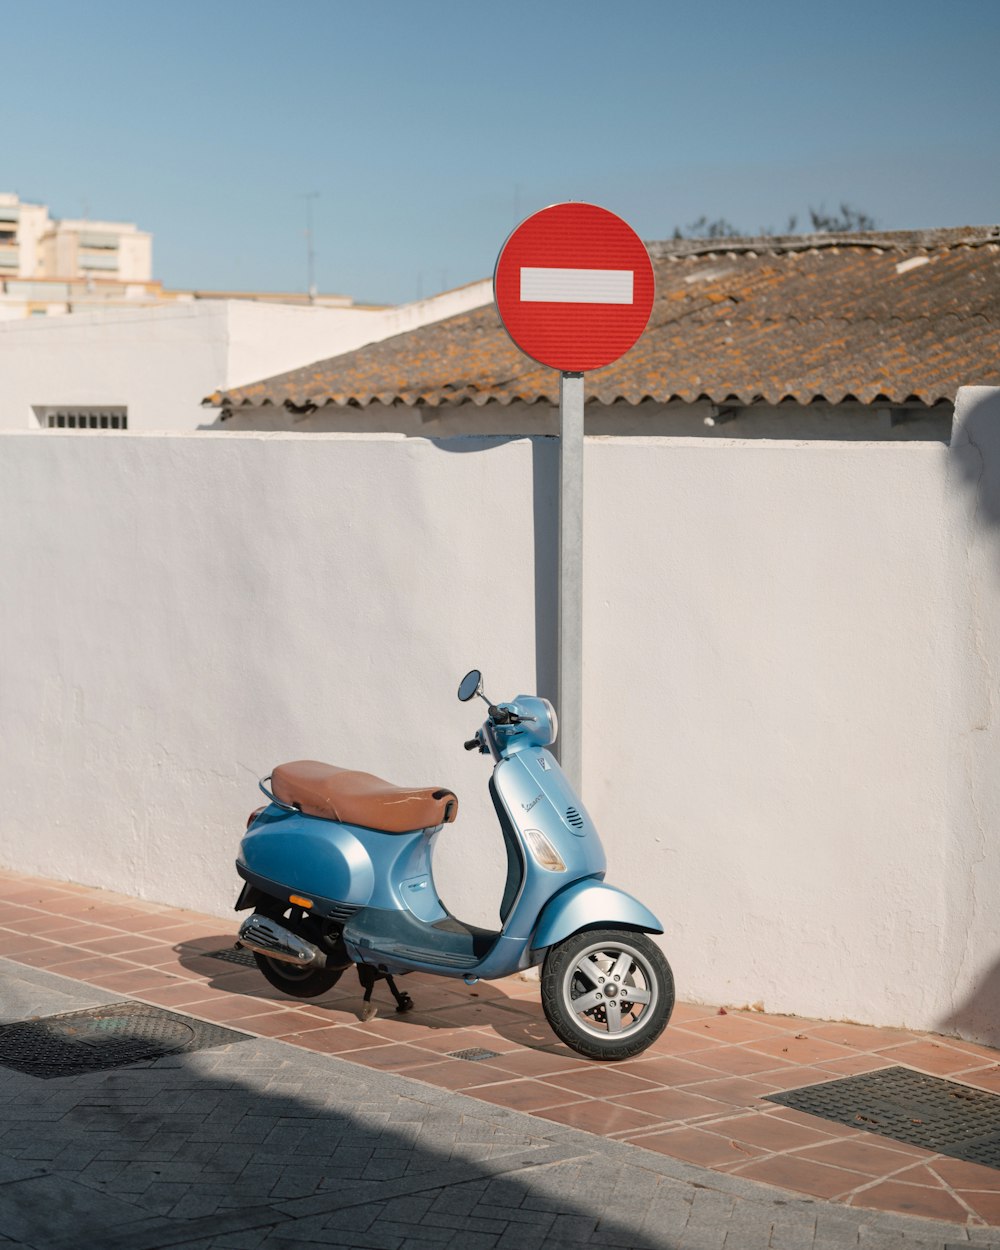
[{"x": 430, "y": 127}]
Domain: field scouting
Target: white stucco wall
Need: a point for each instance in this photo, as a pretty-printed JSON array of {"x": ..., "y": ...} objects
[
  {"x": 790, "y": 678},
  {"x": 161, "y": 362},
  {"x": 152, "y": 361}
]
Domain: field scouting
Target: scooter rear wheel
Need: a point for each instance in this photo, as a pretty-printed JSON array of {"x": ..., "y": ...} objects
[
  {"x": 607, "y": 993},
  {"x": 296, "y": 981},
  {"x": 290, "y": 978}
]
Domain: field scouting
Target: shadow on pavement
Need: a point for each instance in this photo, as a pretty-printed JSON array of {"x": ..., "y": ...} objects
[
  {"x": 439, "y": 1002},
  {"x": 258, "y": 1144}
]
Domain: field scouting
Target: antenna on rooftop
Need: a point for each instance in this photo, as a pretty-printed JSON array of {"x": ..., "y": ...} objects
[{"x": 309, "y": 196}]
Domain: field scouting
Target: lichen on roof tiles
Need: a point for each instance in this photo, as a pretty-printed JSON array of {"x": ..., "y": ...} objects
[{"x": 829, "y": 317}]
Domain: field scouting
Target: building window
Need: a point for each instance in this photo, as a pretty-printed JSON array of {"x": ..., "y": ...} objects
[{"x": 82, "y": 418}]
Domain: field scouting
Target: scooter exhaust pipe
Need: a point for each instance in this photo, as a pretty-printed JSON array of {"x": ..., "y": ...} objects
[{"x": 267, "y": 937}]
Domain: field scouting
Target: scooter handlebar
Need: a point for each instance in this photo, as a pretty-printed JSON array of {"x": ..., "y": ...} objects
[{"x": 472, "y": 745}]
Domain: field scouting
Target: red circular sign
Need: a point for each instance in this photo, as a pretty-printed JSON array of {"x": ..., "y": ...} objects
[{"x": 574, "y": 287}]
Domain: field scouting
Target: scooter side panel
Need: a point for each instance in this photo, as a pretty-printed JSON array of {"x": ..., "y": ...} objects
[
  {"x": 589, "y": 905},
  {"x": 309, "y": 856},
  {"x": 359, "y": 867}
]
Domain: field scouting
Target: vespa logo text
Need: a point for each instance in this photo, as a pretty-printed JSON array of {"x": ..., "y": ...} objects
[{"x": 528, "y": 806}]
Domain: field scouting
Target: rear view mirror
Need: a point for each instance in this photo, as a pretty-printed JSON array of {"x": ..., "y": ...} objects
[{"x": 471, "y": 683}]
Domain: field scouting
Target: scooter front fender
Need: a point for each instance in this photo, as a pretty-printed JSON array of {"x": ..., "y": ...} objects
[{"x": 590, "y": 904}]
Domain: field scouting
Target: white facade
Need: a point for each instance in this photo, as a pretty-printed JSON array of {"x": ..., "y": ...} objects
[
  {"x": 160, "y": 363},
  {"x": 34, "y": 245},
  {"x": 790, "y": 678}
]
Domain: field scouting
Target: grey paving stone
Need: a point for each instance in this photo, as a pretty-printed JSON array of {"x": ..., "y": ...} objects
[
  {"x": 264, "y": 1147},
  {"x": 48, "y": 1207},
  {"x": 12, "y": 1169},
  {"x": 29, "y": 992},
  {"x": 518, "y": 1237}
]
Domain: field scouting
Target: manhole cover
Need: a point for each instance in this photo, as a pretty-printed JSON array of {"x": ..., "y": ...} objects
[
  {"x": 910, "y": 1107},
  {"x": 233, "y": 956},
  {"x": 104, "y": 1037},
  {"x": 474, "y": 1053}
]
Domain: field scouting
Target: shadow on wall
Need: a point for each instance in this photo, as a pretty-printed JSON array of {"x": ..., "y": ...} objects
[
  {"x": 975, "y": 464},
  {"x": 978, "y": 1017},
  {"x": 545, "y": 507},
  {"x": 975, "y": 448}
]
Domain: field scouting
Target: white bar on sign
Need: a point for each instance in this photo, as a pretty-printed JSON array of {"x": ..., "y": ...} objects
[{"x": 576, "y": 286}]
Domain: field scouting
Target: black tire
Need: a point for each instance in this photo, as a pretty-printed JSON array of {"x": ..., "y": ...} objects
[
  {"x": 290, "y": 978},
  {"x": 581, "y": 1011},
  {"x": 296, "y": 981}
]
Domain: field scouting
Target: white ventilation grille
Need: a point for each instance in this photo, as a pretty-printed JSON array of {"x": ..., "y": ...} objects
[{"x": 82, "y": 418}]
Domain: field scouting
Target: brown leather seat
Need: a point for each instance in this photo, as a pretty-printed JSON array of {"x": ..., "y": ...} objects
[{"x": 359, "y": 798}]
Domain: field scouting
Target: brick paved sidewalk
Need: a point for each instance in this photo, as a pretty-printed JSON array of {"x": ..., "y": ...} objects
[
  {"x": 697, "y": 1095},
  {"x": 261, "y": 1145}
]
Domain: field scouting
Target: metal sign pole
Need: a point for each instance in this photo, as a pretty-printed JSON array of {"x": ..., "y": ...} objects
[
  {"x": 574, "y": 288},
  {"x": 571, "y": 577}
]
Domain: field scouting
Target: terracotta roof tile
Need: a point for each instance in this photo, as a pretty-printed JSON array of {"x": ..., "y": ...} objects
[{"x": 897, "y": 317}]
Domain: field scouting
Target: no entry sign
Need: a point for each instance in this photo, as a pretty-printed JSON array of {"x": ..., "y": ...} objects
[{"x": 574, "y": 287}]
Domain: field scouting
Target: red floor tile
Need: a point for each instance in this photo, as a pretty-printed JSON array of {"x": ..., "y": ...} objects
[
  {"x": 985, "y": 1205},
  {"x": 390, "y": 1057},
  {"x": 802, "y": 1175},
  {"x": 936, "y": 1058},
  {"x": 707, "y": 1149},
  {"x": 675, "y": 1104},
  {"x": 524, "y": 1062},
  {"x": 269, "y": 1024},
  {"x": 526, "y": 1095},
  {"x": 932, "y": 1203},
  {"x": 327, "y": 1041},
  {"x": 739, "y": 1091},
  {"x": 668, "y": 1069},
  {"x": 601, "y": 1117},
  {"x": 602, "y": 1081},
  {"x": 132, "y": 982},
  {"x": 732, "y": 1028},
  {"x": 707, "y": 1067},
  {"x": 853, "y": 1066},
  {"x": 957, "y": 1174},
  {"x": 455, "y": 1074},
  {"x": 769, "y": 1132},
  {"x": 860, "y": 1155},
  {"x": 800, "y": 1048},
  {"x": 740, "y": 1061}
]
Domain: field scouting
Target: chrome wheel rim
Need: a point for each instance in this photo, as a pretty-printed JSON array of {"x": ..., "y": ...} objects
[{"x": 611, "y": 990}]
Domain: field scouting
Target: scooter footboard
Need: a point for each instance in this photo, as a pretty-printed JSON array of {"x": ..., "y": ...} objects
[{"x": 590, "y": 904}]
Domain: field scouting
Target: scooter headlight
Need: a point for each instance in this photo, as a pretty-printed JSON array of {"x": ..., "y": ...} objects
[
  {"x": 542, "y": 851},
  {"x": 550, "y": 712}
]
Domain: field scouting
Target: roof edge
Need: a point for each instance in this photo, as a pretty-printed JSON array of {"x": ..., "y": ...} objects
[{"x": 948, "y": 236}]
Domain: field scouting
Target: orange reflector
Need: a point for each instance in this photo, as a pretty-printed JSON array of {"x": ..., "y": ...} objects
[{"x": 299, "y": 900}]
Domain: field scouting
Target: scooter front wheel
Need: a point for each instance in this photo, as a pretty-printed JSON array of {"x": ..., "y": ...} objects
[{"x": 607, "y": 993}]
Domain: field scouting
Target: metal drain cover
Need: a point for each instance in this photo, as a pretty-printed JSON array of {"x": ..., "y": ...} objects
[
  {"x": 104, "y": 1037},
  {"x": 907, "y": 1106},
  {"x": 474, "y": 1053},
  {"x": 232, "y": 956}
]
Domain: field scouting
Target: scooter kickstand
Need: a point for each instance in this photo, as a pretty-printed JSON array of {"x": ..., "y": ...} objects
[
  {"x": 403, "y": 1001},
  {"x": 367, "y": 976}
]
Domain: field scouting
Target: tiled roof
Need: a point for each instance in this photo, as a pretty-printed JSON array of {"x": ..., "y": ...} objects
[{"x": 897, "y": 317}]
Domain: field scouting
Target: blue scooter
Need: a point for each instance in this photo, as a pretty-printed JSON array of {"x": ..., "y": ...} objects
[{"x": 337, "y": 868}]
